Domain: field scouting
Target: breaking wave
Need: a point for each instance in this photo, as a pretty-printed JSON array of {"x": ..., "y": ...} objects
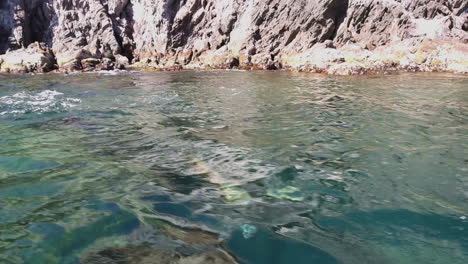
[{"x": 47, "y": 101}]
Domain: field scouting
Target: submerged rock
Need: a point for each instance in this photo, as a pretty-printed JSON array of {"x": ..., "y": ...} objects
[
  {"x": 137, "y": 255},
  {"x": 236, "y": 195},
  {"x": 189, "y": 236},
  {"x": 289, "y": 193},
  {"x": 55, "y": 249},
  {"x": 147, "y": 255}
]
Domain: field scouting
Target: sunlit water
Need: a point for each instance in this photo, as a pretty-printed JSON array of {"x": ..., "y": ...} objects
[{"x": 267, "y": 167}]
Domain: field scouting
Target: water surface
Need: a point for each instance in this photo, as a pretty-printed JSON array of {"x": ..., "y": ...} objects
[{"x": 258, "y": 167}]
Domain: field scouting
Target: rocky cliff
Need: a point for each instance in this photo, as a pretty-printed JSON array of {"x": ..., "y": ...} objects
[{"x": 333, "y": 36}]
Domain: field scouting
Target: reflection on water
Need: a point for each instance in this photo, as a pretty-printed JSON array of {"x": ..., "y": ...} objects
[{"x": 233, "y": 167}]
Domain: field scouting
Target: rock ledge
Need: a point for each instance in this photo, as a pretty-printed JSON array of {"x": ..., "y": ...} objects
[{"x": 329, "y": 36}]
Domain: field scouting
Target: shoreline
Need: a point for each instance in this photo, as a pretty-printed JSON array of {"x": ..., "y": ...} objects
[
  {"x": 324, "y": 58},
  {"x": 134, "y": 69},
  {"x": 355, "y": 37},
  {"x": 289, "y": 70},
  {"x": 158, "y": 70}
]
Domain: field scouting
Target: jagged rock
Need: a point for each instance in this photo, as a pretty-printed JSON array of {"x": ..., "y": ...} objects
[
  {"x": 234, "y": 63},
  {"x": 35, "y": 58},
  {"x": 89, "y": 63},
  {"x": 71, "y": 66},
  {"x": 119, "y": 59},
  {"x": 376, "y": 23},
  {"x": 210, "y": 33},
  {"x": 106, "y": 65},
  {"x": 273, "y": 65},
  {"x": 72, "y": 59},
  {"x": 329, "y": 44}
]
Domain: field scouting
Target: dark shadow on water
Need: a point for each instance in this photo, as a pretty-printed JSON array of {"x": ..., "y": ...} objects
[
  {"x": 381, "y": 223},
  {"x": 179, "y": 182},
  {"x": 182, "y": 211},
  {"x": 267, "y": 248},
  {"x": 62, "y": 247}
]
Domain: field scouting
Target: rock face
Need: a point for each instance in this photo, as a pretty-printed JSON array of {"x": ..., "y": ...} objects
[
  {"x": 376, "y": 23},
  {"x": 240, "y": 33},
  {"x": 35, "y": 58}
]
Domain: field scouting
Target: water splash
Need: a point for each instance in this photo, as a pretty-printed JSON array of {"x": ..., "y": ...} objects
[{"x": 46, "y": 101}]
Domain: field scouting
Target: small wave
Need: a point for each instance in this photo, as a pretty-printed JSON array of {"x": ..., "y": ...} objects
[
  {"x": 39, "y": 102},
  {"x": 103, "y": 72}
]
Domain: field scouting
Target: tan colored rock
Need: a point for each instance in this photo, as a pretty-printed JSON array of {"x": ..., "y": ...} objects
[
  {"x": 190, "y": 236},
  {"x": 210, "y": 257},
  {"x": 72, "y": 56},
  {"x": 254, "y": 34},
  {"x": 147, "y": 255},
  {"x": 70, "y": 66},
  {"x": 35, "y": 58},
  {"x": 120, "y": 59},
  {"x": 89, "y": 63}
]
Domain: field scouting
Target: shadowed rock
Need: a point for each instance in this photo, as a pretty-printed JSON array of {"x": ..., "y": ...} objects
[
  {"x": 35, "y": 58},
  {"x": 254, "y": 34}
]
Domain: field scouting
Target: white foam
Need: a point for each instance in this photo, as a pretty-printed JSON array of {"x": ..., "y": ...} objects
[{"x": 36, "y": 102}]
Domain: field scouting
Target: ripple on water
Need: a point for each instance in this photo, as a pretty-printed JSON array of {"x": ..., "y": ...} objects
[
  {"x": 24, "y": 164},
  {"x": 336, "y": 171},
  {"x": 266, "y": 247},
  {"x": 47, "y": 101}
]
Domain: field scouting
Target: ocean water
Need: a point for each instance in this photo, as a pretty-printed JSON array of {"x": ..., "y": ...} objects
[{"x": 233, "y": 167}]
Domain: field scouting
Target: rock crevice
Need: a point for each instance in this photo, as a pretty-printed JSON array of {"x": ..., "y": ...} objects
[{"x": 296, "y": 34}]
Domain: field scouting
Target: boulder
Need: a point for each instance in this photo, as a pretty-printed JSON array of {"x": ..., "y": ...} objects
[
  {"x": 89, "y": 63},
  {"x": 106, "y": 65},
  {"x": 73, "y": 57},
  {"x": 35, "y": 58},
  {"x": 120, "y": 59}
]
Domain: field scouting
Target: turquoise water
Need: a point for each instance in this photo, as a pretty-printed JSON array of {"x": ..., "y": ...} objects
[{"x": 226, "y": 167}]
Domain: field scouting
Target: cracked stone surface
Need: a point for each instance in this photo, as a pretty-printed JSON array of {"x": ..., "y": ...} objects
[{"x": 253, "y": 34}]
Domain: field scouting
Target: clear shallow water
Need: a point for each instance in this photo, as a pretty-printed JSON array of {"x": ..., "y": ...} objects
[{"x": 269, "y": 167}]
